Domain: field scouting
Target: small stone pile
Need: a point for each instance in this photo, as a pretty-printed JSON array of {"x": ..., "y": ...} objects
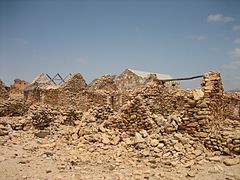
[
  {"x": 4, "y": 129},
  {"x": 170, "y": 124},
  {"x": 133, "y": 116},
  {"x": 94, "y": 119},
  {"x": 101, "y": 113},
  {"x": 42, "y": 116},
  {"x": 8, "y": 124},
  {"x": 4, "y": 91},
  {"x": 170, "y": 149},
  {"x": 13, "y": 107}
]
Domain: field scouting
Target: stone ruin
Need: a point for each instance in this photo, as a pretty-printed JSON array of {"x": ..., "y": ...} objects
[{"x": 133, "y": 109}]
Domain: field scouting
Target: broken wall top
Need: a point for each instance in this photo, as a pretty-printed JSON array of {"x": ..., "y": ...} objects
[
  {"x": 105, "y": 82},
  {"x": 128, "y": 80},
  {"x": 74, "y": 83},
  {"x": 4, "y": 91},
  {"x": 18, "y": 86},
  {"x": 40, "y": 82}
]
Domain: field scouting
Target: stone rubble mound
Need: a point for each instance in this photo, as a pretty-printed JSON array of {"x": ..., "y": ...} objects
[
  {"x": 132, "y": 117},
  {"x": 13, "y": 107},
  {"x": 42, "y": 116},
  {"x": 93, "y": 129}
]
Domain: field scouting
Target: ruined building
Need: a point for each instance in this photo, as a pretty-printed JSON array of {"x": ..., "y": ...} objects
[{"x": 140, "y": 99}]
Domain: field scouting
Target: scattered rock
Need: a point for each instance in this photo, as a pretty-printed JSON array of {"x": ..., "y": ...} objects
[
  {"x": 215, "y": 158},
  {"x": 191, "y": 173},
  {"x": 154, "y": 142},
  {"x": 231, "y": 161},
  {"x": 138, "y": 138},
  {"x": 42, "y": 133},
  {"x": 48, "y": 171}
]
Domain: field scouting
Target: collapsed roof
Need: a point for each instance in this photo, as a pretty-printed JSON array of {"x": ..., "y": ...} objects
[{"x": 42, "y": 81}]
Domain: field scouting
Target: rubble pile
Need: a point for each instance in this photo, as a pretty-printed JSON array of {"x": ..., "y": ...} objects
[
  {"x": 170, "y": 149},
  {"x": 4, "y": 91},
  {"x": 43, "y": 116},
  {"x": 94, "y": 119},
  {"x": 13, "y": 107},
  {"x": 133, "y": 116},
  {"x": 4, "y": 128},
  {"x": 10, "y": 124}
]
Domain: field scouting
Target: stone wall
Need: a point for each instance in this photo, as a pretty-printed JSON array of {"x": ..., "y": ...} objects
[
  {"x": 226, "y": 137},
  {"x": 4, "y": 91},
  {"x": 106, "y": 83},
  {"x": 231, "y": 102},
  {"x": 128, "y": 80},
  {"x": 201, "y": 110},
  {"x": 204, "y": 107},
  {"x": 207, "y": 114},
  {"x": 17, "y": 89}
]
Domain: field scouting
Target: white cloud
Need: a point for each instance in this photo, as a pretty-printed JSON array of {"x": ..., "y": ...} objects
[
  {"x": 236, "y": 28},
  {"x": 219, "y": 18},
  {"x": 198, "y": 38},
  {"x": 235, "y": 53},
  {"x": 232, "y": 65},
  {"x": 237, "y": 41}
]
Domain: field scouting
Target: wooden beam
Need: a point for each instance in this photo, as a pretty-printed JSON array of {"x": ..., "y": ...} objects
[{"x": 181, "y": 79}]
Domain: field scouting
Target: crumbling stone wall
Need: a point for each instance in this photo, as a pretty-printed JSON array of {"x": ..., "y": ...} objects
[
  {"x": 204, "y": 107},
  {"x": 74, "y": 83},
  {"x": 106, "y": 83},
  {"x": 82, "y": 100},
  {"x": 231, "y": 102},
  {"x": 226, "y": 138},
  {"x": 17, "y": 89},
  {"x": 207, "y": 114},
  {"x": 32, "y": 96},
  {"x": 201, "y": 109},
  {"x": 128, "y": 80},
  {"x": 50, "y": 96},
  {"x": 4, "y": 91}
]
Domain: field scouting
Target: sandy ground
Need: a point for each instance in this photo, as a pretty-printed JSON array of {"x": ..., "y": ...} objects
[{"x": 23, "y": 156}]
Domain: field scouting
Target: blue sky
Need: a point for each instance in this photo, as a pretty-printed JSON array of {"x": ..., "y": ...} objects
[{"x": 97, "y": 37}]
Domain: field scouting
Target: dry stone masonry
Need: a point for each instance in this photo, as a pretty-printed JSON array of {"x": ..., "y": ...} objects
[{"x": 132, "y": 115}]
